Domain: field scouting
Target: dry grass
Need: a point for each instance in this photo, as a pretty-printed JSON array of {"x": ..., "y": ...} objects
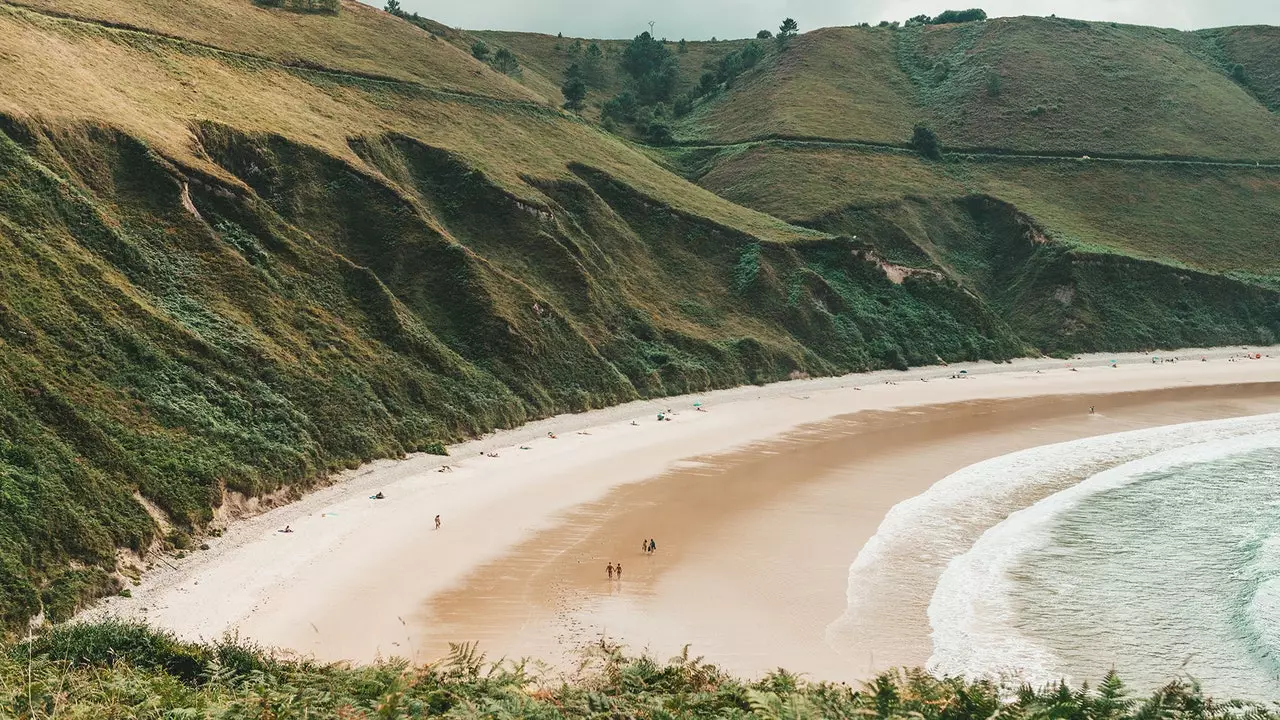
[
  {"x": 1089, "y": 87},
  {"x": 1254, "y": 47},
  {"x": 549, "y": 57},
  {"x": 1028, "y": 84},
  {"x": 64, "y": 72},
  {"x": 360, "y": 39},
  {"x": 803, "y": 184},
  {"x": 841, "y": 83},
  {"x": 1213, "y": 218}
]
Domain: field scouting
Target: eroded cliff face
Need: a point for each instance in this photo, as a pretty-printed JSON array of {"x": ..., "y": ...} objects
[
  {"x": 186, "y": 333},
  {"x": 1057, "y": 298}
]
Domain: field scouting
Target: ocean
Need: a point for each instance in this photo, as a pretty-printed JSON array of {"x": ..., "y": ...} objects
[{"x": 1156, "y": 552}]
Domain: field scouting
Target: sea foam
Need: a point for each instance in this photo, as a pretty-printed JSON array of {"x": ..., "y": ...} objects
[
  {"x": 972, "y": 613},
  {"x": 897, "y": 570}
]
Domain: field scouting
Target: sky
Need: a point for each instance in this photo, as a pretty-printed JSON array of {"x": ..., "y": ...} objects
[{"x": 704, "y": 19}]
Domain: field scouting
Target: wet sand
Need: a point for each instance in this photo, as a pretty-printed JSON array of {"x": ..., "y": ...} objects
[
  {"x": 746, "y": 571},
  {"x": 754, "y": 546}
]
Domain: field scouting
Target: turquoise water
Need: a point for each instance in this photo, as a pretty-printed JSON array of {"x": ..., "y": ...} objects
[
  {"x": 1175, "y": 572},
  {"x": 1162, "y": 560}
]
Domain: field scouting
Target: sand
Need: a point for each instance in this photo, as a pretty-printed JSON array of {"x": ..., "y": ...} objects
[{"x": 758, "y": 504}]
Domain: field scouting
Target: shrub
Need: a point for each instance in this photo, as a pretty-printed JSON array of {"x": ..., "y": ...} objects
[
  {"x": 109, "y": 643},
  {"x": 324, "y": 7},
  {"x": 658, "y": 132},
  {"x": 947, "y": 17},
  {"x": 1238, "y": 74},
  {"x": 764, "y": 35},
  {"x": 708, "y": 83},
  {"x": 435, "y": 448},
  {"x": 480, "y": 51},
  {"x": 925, "y": 142},
  {"x": 748, "y": 267},
  {"x": 69, "y": 591},
  {"x": 505, "y": 62},
  {"x": 994, "y": 83},
  {"x": 621, "y": 108}
]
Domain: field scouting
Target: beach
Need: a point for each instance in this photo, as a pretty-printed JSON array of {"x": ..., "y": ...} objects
[{"x": 759, "y": 499}]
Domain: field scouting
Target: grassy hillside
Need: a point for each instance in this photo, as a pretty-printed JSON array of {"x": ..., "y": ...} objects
[
  {"x": 1213, "y": 218},
  {"x": 127, "y": 671},
  {"x": 835, "y": 83},
  {"x": 1076, "y": 254},
  {"x": 550, "y": 56},
  {"x": 361, "y": 40},
  {"x": 244, "y": 246},
  {"x": 1254, "y": 50},
  {"x": 227, "y": 273},
  {"x": 1024, "y": 84}
]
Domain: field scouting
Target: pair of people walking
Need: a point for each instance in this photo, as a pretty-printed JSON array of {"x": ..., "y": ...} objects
[
  {"x": 649, "y": 546},
  {"x": 614, "y": 571}
]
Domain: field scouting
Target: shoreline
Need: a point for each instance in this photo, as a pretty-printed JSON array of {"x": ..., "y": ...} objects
[
  {"x": 351, "y": 581},
  {"x": 753, "y": 568}
]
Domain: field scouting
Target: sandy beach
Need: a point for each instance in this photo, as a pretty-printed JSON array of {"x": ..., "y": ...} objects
[{"x": 758, "y": 503}]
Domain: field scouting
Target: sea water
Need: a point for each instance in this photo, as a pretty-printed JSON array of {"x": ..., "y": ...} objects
[{"x": 1156, "y": 552}]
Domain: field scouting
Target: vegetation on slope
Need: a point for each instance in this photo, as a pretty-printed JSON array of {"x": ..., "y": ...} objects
[
  {"x": 1248, "y": 54},
  {"x": 1024, "y": 84},
  {"x": 246, "y": 247},
  {"x": 224, "y": 274},
  {"x": 363, "y": 40},
  {"x": 115, "y": 670},
  {"x": 1051, "y": 243}
]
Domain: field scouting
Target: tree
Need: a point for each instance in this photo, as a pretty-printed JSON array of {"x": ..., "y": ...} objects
[
  {"x": 683, "y": 47},
  {"x": 925, "y": 142},
  {"x": 574, "y": 88},
  {"x": 393, "y": 7},
  {"x": 620, "y": 108},
  {"x": 917, "y": 20},
  {"x": 592, "y": 60},
  {"x": 708, "y": 83},
  {"x": 752, "y": 53},
  {"x": 787, "y": 30},
  {"x": 480, "y": 51},
  {"x": 652, "y": 68},
  {"x": 1238, "y": 74},
  {"x": 644, "y": 56},
  {"x": 764, "y": 35},
  {"x": 947, "y": 17},
  {"x": 505, "y": 62},
  {"x": 659, "y": 133},
  {"x": 736, "y": 63}
]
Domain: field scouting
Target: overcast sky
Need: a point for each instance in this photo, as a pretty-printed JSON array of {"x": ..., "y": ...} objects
[{"x": 703, "y": 19}]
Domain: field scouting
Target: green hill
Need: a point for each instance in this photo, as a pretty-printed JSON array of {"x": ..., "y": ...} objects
[{"x": 245, "y": 246}]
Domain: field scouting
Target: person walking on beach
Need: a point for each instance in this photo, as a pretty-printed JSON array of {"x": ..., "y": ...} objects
[
  {"x": 437, "y": 522},
  {"x": 618, "y": 571},
  {"x": 609, "y": 569},
  {"x": 653, "y": 546}
]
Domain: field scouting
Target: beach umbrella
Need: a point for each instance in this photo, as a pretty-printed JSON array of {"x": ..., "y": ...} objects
[{"x": 697, "y": 404}]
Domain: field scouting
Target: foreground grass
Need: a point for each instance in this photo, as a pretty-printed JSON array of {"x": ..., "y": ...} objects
[{"x": 115, "y": 670}]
